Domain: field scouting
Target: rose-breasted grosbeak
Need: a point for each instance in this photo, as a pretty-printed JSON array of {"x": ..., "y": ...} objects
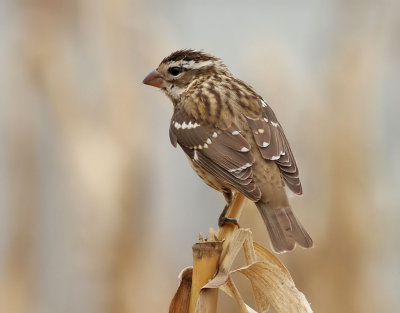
[{"x": 232, "y": 139}]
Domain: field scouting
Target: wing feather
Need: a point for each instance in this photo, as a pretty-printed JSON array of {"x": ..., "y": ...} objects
[
  {"x": 273, "y": 145},
  {"x": 224, "y": 153}
]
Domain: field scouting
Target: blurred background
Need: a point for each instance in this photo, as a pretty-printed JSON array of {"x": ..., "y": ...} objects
[{"x": 98, "y": 211}]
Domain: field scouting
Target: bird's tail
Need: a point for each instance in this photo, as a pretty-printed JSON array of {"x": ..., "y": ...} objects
[{"x": 283, "y": 227}]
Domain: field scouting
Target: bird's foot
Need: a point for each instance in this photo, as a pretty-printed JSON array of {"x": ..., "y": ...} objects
[{"x": 227, "y": 220}]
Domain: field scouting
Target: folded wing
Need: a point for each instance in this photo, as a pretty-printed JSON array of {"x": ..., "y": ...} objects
[
  {"x": 274, "y": 146},
  {"x": 224, "y": 153}
]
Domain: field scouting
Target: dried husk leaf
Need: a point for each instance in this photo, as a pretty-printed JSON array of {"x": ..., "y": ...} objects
[
  {"x": 251, "y": 257},
  {"x": 180, "y": 301},
  {"x": 230, "y": 289},
  {"x": 275, "y": 287},
  {"x": 267, "y": 256}
]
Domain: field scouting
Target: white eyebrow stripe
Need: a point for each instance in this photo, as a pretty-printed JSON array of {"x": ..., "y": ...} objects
[
  {"x": 174, "y": 64},
  {"x": 196, "y": 65}
]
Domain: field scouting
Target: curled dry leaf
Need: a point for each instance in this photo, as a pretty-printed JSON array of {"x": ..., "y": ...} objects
[
  {"x": 267, "y": 256},
  {"x": 273, "y": 286}
]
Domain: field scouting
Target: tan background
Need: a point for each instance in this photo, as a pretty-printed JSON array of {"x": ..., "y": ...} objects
[{"x": 98, "y": 211}]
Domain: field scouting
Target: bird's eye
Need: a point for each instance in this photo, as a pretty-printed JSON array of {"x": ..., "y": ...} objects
[{"x": 175, "y": 70}]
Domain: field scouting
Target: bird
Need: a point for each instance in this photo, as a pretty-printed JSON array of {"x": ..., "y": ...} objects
[{"x": 232, "y": 139}]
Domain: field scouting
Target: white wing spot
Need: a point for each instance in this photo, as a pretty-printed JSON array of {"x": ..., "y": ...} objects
[
  {"x": 283, "y": 153},
  {"x": 261, "y": 131},
  {"x": 200, "y": 147},
  {"x": 265, "y": 144},
  {"x": 263, "y": 104},
  {"x": 189, "y": 125},
  {"x": 195, "y": 156},
  {"x": 235, "y": 133},
  {"x": 265, "y": 119},
  {"x": 237, "y": 170},
  {"x": 215, "y": 135},
  {"x": 244, "y": 149},
  {"x": 205, "y": 146},
  {"x": 275, "y": 157},
  {"x": 274, "y": 124},
  {"x": 209, "y": 141}
]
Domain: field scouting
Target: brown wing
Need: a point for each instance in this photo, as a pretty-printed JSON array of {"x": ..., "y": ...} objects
[
  {"x": 273, "y": 145},
  {"x": 224, "y": 154}
]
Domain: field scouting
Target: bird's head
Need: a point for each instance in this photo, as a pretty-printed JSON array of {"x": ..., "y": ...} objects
[{"x": 181, "y": 68}]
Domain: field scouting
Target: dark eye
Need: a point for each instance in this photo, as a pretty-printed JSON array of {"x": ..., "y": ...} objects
[{"x": 175, "y": 70}]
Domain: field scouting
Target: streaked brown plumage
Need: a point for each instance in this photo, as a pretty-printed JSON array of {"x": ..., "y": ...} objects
[{"x": 232, "y": 139}]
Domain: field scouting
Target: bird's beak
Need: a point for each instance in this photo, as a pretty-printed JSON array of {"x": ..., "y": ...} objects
[{"x": 155, "y": 79}]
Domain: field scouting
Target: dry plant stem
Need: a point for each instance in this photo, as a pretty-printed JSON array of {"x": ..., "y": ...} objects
[
  {"x": 234, "y": 211},
  {"x": 208, "y": 255}
]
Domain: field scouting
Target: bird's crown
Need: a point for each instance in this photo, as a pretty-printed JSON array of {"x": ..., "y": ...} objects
[
  {"x": 189, "y": 55},
  {"x": 189, "y": 59}
]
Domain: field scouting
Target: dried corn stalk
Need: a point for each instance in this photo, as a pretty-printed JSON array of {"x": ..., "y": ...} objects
[{"x": 272, "y": 283}]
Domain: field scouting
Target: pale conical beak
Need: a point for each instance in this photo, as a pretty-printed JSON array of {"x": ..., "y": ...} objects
[{"x": 155, "y": 79}]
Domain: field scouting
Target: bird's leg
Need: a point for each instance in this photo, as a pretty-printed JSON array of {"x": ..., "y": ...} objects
[{"x": 222, "y": 218}]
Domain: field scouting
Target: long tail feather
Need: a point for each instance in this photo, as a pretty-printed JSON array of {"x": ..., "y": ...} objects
[{"x": 284, "y": 229}]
